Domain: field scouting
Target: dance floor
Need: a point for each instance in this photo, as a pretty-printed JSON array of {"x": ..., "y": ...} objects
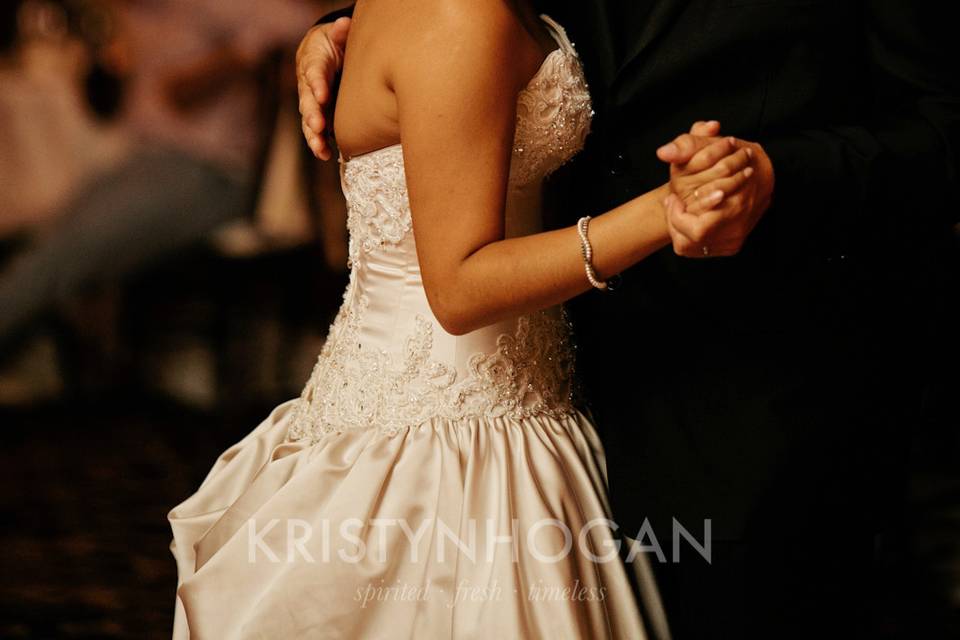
[{"x": 84, "y": 493}]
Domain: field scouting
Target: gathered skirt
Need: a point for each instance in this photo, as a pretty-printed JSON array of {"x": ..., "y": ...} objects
[{"x": 480, "y": 528}]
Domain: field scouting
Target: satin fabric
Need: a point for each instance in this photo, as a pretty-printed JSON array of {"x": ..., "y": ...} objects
[{"x": 480, "y": 471}]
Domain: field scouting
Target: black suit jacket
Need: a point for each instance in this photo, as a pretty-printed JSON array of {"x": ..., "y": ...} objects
[
  {"x": 773, "y": 388},
  {"x": 763, "y": 390}
]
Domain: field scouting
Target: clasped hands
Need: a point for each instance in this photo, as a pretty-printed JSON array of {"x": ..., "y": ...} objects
[{"x": 719, "y": 189}]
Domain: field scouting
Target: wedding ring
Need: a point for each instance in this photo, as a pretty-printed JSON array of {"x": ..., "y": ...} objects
[{"x": 706, "y": 251}]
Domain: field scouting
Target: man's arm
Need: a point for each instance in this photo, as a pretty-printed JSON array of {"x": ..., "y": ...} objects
[
  {"x": 319, "y": 60},
  {"x": 833, "y": 183},
  {"x": 893, "y": 174}
]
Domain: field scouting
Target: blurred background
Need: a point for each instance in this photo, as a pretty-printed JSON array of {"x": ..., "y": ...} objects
[{"x": 170, "y": 258}]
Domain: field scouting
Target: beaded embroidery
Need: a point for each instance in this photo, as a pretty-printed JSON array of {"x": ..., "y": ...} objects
[
  {"x": 528, "y": 373},
  {"x": 553, "y": 115}
]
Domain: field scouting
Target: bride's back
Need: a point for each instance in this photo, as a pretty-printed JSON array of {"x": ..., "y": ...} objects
[{"x": 382, "y": 32}]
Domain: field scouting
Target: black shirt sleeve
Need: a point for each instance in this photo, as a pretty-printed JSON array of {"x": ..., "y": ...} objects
[
  {"x": 333, "y": 16},
  {"x": 896, "y": 170}
]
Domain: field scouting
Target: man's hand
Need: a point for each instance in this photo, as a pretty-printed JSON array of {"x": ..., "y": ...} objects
[
  {"x": 319, "y": 60},
  {"x": 715, "y": 219}
]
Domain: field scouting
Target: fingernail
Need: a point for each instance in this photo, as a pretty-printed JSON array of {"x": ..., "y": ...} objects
[
  {"x": 731, "y": 140},
  {"x": 669, "y": 149},
  {"x": 715, "y": 195},
  {"x": 749, "y": 152},
  {"x": 712, "y": 123},
  {"x": 748, "y": 172}
]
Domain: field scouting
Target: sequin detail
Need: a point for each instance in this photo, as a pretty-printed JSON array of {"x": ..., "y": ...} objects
[{"x": 554, "y": 112}]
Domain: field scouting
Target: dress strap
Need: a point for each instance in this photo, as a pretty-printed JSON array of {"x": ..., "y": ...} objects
[{"x": 559, "y": 33}]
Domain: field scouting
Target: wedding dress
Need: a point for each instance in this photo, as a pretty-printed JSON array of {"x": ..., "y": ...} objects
[{"x": 424, "y": 485}]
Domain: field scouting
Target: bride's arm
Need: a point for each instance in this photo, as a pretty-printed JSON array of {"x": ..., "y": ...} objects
[{"x": 456, "y": 85}]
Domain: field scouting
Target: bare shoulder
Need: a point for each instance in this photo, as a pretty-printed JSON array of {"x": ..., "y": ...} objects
[
  {"x": 466, "y": 18},
  {"x": 466, "y": 33}
]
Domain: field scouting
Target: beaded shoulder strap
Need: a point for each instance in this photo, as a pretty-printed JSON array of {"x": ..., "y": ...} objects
[{"x": 559, "y": 34}]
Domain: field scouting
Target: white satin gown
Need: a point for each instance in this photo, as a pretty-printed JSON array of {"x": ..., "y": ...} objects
[{"x": 424, "y": 485}]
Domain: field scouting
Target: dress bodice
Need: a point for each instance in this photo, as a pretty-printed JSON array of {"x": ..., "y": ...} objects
[{"x": 387, "y": 362}]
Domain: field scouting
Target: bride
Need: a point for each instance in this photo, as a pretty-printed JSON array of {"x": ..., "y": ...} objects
[{"x": 436, "y": 477}]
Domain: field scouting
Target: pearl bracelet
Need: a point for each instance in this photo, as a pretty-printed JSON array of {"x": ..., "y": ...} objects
[{"x": 586, "y": 250}]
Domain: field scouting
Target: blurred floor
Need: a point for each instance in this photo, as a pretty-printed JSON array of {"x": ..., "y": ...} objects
[{"x": 84, "y": 493}]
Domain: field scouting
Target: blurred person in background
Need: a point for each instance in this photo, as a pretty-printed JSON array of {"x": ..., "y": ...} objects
[
  {"x": 51, "y": 137},
  {"x": 190, "y": 111}
]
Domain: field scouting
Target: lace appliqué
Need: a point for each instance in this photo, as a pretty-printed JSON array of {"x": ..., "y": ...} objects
[
  {"x": 529, "y": 374},
  {"x": 375, "y": 187}
]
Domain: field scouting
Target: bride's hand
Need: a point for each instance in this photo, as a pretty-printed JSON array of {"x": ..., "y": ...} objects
[
  {"x": 720, "y": 168},
  {"x": 715, "y": 173}
]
